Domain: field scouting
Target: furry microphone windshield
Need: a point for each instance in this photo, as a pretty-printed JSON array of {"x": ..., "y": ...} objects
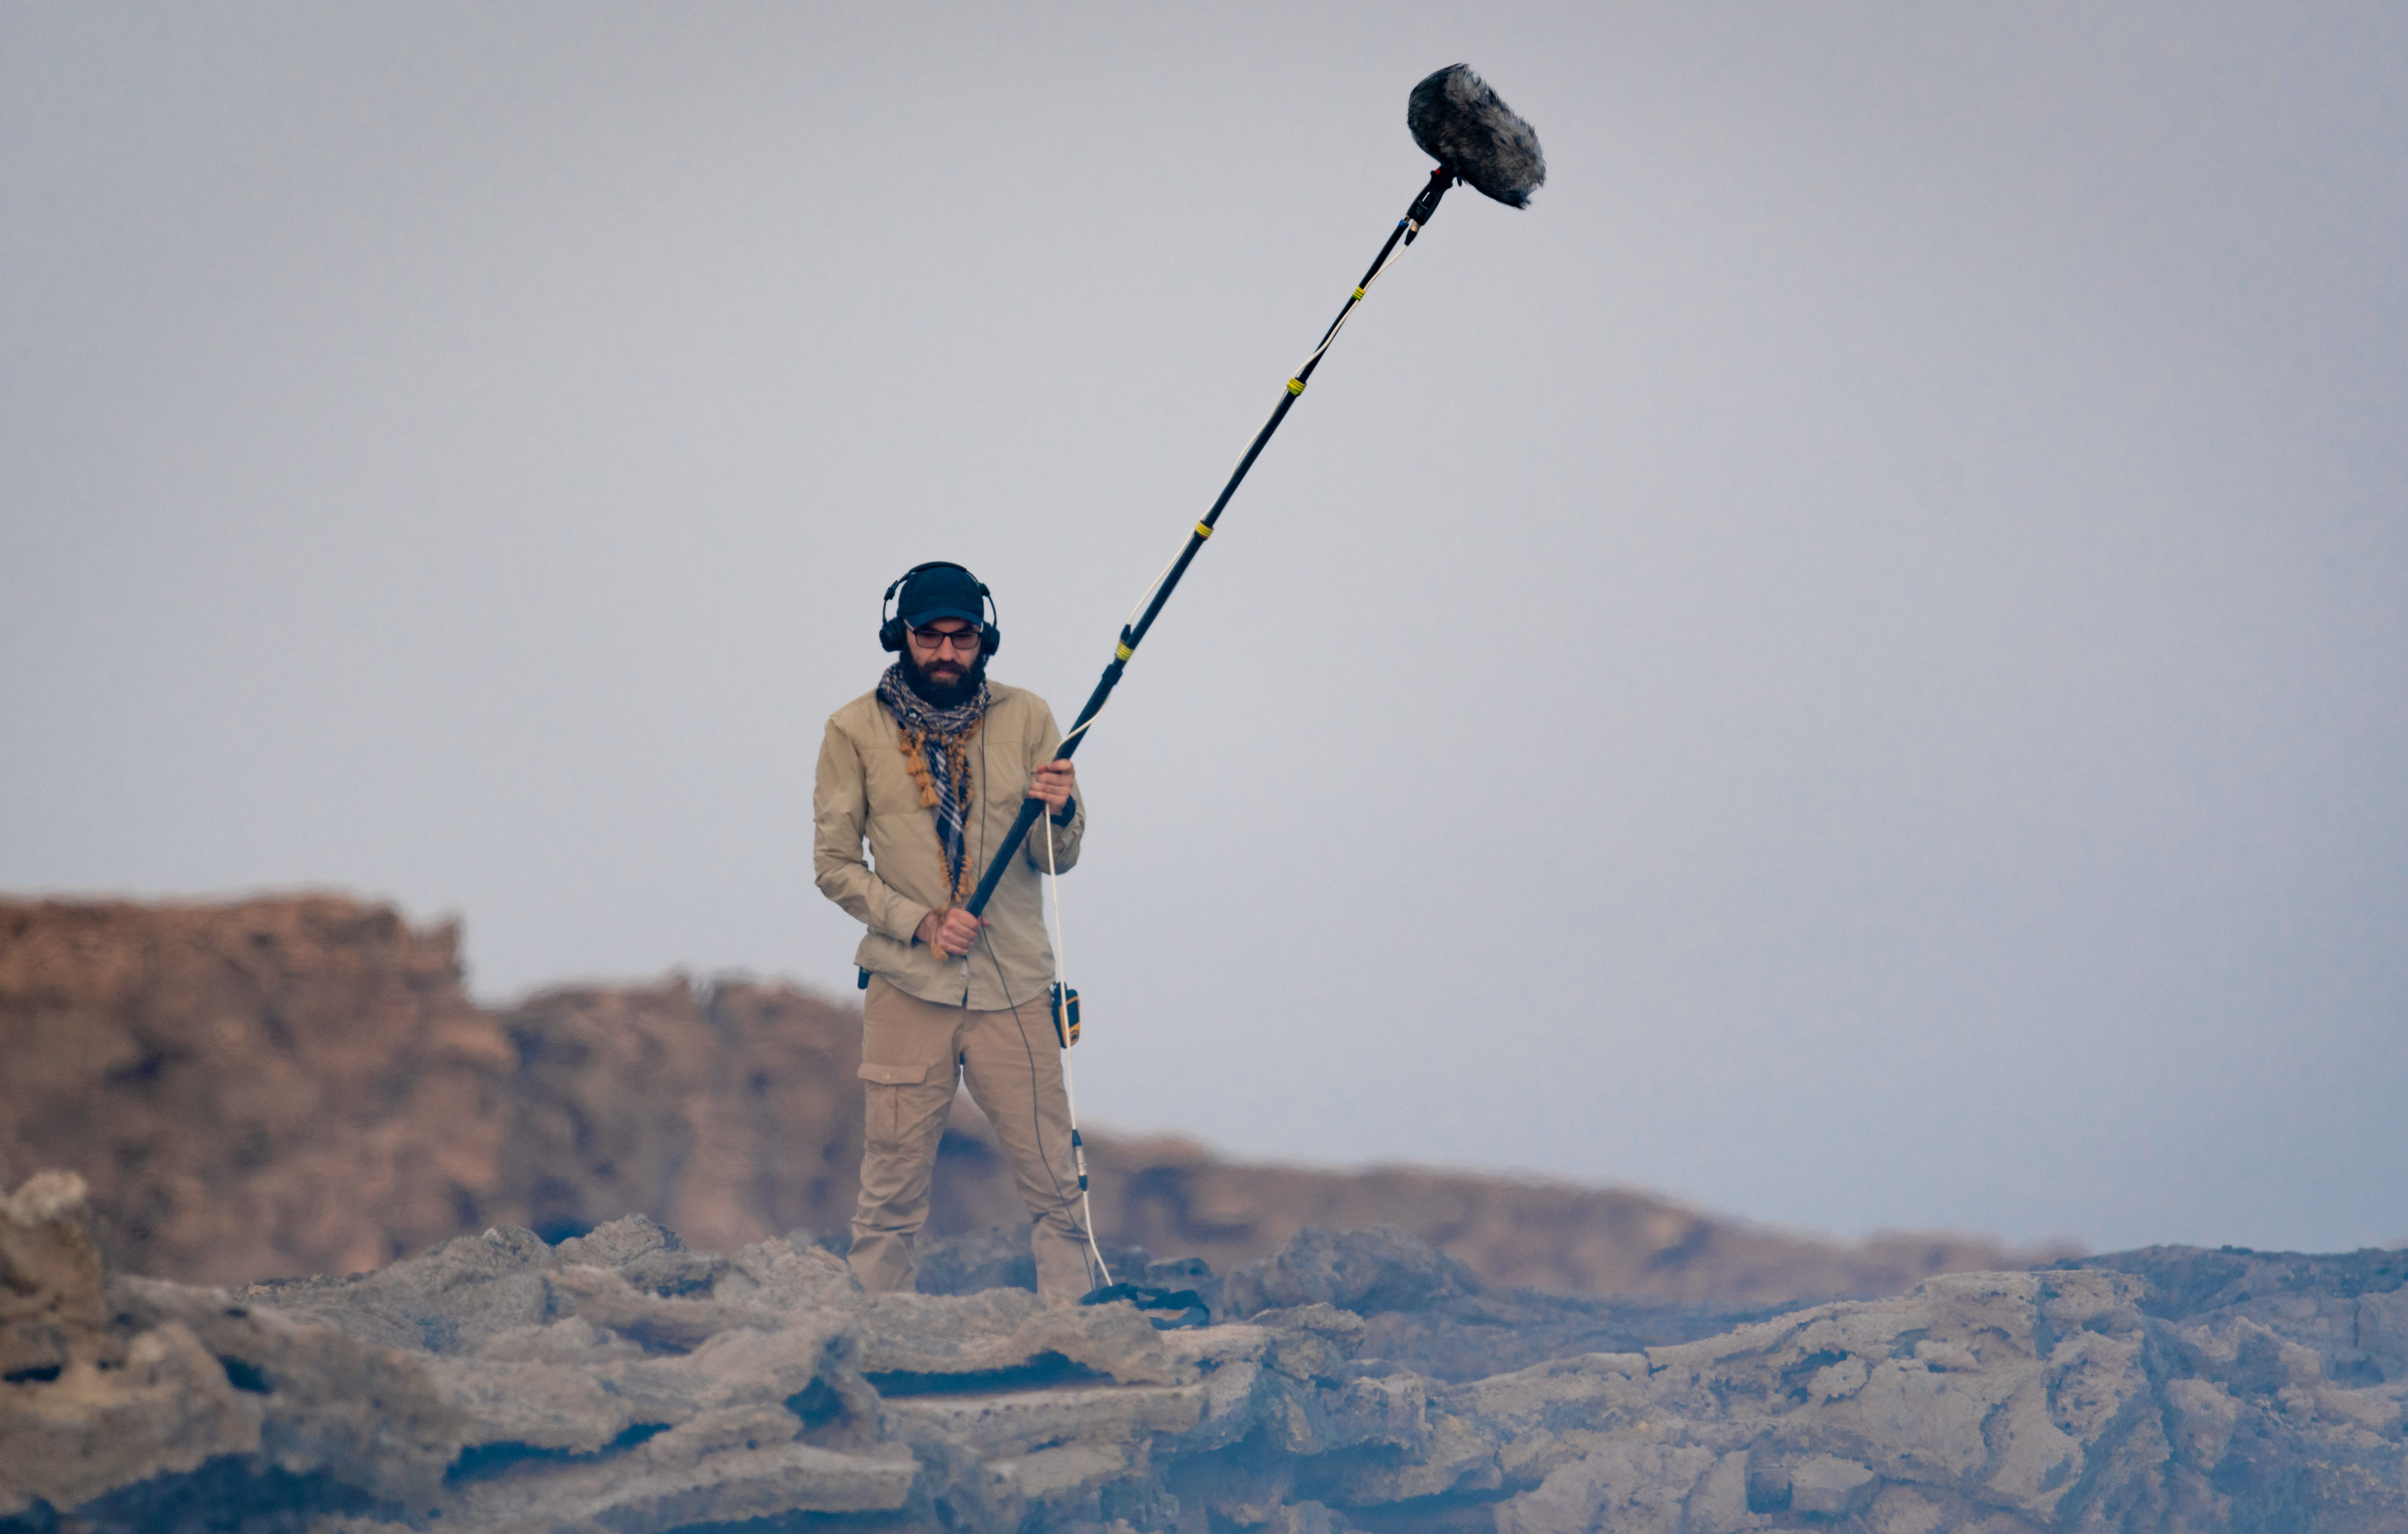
[{"x": 1460, "y": 123}]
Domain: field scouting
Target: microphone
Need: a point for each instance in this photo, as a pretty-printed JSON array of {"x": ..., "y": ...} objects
[{"x": 1460, "y": 123}]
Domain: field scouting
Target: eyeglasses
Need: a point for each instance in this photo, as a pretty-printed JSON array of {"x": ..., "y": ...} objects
[{"x": 963, "y": 640}]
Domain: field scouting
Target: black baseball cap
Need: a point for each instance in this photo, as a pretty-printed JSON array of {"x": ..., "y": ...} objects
[{"x": 945, "y": 591}]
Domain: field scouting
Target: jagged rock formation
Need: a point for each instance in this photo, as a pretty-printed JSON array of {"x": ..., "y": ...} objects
[
  {"x": 301, "y": 1085},
  {"x": 618, "y": 1381}
]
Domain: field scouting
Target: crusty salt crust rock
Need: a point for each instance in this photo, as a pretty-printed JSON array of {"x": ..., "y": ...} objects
[{"x": 618, "y": 1381}]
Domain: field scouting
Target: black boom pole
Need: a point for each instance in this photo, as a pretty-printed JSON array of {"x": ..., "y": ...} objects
[
  {"x": 1475, "y": 139},
  {"x": 1132, "y": 635}
]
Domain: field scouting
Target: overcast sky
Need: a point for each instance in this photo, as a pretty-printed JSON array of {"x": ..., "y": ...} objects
[{"x": 1850, "y": 665}]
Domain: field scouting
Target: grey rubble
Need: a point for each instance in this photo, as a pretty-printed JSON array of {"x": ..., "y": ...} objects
[{"x": 618, "y": 1382}]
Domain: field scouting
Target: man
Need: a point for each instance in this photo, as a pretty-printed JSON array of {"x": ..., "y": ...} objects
[{"x": 930, "y": 767}]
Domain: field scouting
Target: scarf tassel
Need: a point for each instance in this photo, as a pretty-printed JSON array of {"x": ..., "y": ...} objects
[{"x": 950, "y": 732}]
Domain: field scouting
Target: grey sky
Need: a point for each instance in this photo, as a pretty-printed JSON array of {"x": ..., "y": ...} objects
[{"x": 1848, "y": 666}]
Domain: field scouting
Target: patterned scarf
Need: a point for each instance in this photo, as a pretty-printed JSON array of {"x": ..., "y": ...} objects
[{"x": 936, "y": 742}]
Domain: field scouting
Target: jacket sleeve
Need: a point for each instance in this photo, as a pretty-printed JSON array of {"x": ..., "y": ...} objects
[
  {"x": 1048, "y": 740},
  {"x": 840, "y": 811}
]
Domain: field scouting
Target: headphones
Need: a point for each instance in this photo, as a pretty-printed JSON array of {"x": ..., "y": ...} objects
[{"x": 889, "y": 630}]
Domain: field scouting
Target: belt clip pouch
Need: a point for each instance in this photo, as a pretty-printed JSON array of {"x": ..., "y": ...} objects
[{"x": 1066, "y": 1014}]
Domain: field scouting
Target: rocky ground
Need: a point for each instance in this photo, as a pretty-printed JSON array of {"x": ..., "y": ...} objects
[
  {"x": 1360, "y": 1380},
  {"x": 303, "y": 1085}
]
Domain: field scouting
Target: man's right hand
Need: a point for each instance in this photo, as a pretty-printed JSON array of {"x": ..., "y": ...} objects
[{"x": 950, "y": 933}]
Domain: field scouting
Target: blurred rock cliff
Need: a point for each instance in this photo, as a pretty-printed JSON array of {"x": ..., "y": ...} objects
[{"x": 302, "y": 1084}]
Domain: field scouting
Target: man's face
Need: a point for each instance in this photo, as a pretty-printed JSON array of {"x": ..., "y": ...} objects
[{"x": 944, "y": 651}]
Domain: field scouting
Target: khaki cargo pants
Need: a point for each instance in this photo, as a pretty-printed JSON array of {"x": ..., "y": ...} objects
[{"x": 910, "y": 1052}]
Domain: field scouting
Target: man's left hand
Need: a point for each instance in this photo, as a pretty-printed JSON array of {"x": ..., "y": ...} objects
[{"x": 1054, "y": 784}]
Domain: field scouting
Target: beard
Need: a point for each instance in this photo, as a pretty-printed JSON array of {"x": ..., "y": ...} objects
[{"x": 944, "y": 695}]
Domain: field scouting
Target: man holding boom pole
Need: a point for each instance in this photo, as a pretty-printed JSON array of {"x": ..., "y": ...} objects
[
  {"x": 930, "y": 769},
  {"x": 948, "y": 846}
]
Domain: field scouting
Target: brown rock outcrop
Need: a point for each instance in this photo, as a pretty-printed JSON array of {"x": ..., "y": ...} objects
[
  {"x": 730, "y": 1112},
  {"x": 270, "y": 1087},
  {"x": 301, "y": 1085},
  {"x": 1169, "y": 1195}
]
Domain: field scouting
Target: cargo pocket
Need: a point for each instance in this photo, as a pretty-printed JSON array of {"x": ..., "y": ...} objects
[{"x": 891, "y": 1106}]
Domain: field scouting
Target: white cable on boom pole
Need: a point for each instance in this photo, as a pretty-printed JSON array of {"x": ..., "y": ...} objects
[{"x": 1061, "y": 1032}]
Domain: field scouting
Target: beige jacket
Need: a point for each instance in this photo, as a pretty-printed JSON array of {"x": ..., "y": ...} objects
[{"x": 865, "y": 789}]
